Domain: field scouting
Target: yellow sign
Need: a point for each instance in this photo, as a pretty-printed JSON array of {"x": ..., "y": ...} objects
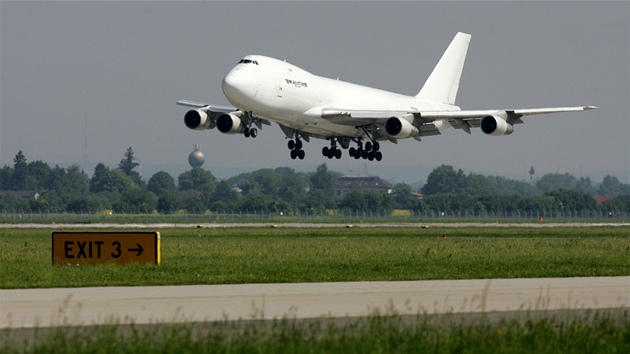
[{"x": 105, "y": 247}]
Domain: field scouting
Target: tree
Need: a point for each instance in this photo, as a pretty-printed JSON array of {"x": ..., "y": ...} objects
[
  {"x": 444, "y": 179},
  {"x": 197, "y": 179},
  {"x": 39, "y": 173},
  {"x": 6, "y": 174},
  {"x": 202, "y": 182},
  {"x": 167, "y": 203},
  {"x": 224, "y": 196},
  {"x": 161, "y": 184},
  {"x": 403, "y": 196},
  {"x": 19, "y": 179},
  {"x": 571, "y": 200},
  {"x": 118, "y": 182},
  {"x": 99, "y": 178},
  {"x": 321, "y": 194},
  {"x": 291, "y": 189},
  {"x": 585, "y": 185},
  {"x": 354, "y": 201},
  {"x": 128, "y": 164},
  {"x": 556, "y": 181},
  {"x": 611, "y": 186}
]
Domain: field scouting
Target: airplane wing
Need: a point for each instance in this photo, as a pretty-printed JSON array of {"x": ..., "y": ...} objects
[
  {"x": 425, "y": 120},
  {"x": 210, "y": 107}
]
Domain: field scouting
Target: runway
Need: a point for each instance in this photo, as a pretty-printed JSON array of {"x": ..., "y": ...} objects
[{"x": 29, "y": 308}]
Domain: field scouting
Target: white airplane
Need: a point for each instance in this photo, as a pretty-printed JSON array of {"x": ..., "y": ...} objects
[{"x": 306, "y": 106}]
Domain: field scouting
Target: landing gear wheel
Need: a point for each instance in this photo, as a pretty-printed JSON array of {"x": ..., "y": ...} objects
[
  {"x": 301, "y": 154},
  {"x": 294, "y": 154},
  {"x": 325, "y": 150},
  {"x": 291, "y": 145},
  {"x": 246, "y": 132},
  {"x": 378, "y": 156},
  {"x": 253, "y": 132},
  {"x": 352, "y": 151},
  {"x": 338, "y": 154}
]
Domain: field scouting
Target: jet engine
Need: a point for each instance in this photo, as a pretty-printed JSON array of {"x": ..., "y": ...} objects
[
  {"x": 197, "y": 119},
  {"x": 400, "y": 128},
  {"x": 496, "y": 126},
  {"x": 230, "y": 123}
]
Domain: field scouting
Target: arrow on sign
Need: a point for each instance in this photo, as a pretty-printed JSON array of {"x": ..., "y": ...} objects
[{"x": 139, "y": 250}]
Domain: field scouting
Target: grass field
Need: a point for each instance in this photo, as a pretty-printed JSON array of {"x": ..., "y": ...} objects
[
  {"x": 259, "y": 255},
  {"x": 262, "y": 255}
]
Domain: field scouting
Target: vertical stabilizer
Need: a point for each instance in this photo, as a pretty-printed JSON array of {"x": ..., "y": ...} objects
[{"x": 443, "y": 83}]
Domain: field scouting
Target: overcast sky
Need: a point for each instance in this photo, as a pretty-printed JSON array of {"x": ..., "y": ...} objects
[{"x": 112, "y": 72}]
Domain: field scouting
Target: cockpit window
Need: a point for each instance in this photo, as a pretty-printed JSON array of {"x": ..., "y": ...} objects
[{"x": 248, "y": 61}]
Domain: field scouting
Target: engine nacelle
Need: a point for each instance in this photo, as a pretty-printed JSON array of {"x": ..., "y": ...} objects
[
  {"x": 400, "y": 128},
  {"x": 230, "y": 123},
  {"x": 496, "y": 126},
  {"x": 197, "y": 119}
]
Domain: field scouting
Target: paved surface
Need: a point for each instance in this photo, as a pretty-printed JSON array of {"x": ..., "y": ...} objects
[
  {"x": 304, "y": 225},
  {"x": 27, "y": 308}
]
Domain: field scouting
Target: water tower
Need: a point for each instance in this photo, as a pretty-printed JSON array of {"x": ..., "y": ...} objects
[{"x": 196, "y": 158}]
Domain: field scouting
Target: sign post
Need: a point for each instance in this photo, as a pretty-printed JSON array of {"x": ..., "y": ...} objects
[{"x": 105, "y": 247}]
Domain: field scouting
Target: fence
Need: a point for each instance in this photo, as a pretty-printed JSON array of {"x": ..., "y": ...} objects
[{"x": 324, "y": 216}]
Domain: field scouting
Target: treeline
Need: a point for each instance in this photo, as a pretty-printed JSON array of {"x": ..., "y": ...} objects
[{"x": 122, "y": 189}]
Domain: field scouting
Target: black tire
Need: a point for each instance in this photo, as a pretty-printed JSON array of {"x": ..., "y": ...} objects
[
  {"x": 301, "y": 154},
  {"x": 368, "y": 146},
  {"x": 376, "y": 146},
  {"x": 294, "y": 154},
  {"x": 337, "y": 154},
  {"x": 291, "y": 145},
  {"x": 299, "y": 144},
  {"x": 246, "y": 132},
  {"x": 325, "y": 150},
  {"x": 351, "y": 152},
  {"x": 378, "y": 156},
  {"x": 253, "y": 132}
]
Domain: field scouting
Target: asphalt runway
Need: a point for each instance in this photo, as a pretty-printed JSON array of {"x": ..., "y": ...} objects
[{"x": 29, "y": 308}]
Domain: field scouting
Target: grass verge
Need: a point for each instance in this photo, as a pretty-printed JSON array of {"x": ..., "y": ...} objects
[
  {"x": 377, "y": 333},
  {"x": 272, "y": 255}
]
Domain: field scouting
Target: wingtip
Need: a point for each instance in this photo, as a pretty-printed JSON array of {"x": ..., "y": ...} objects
[{"x": 588, "y": 108}]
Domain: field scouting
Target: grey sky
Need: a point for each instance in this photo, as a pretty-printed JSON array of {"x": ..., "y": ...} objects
[{"x": 122, "y": 66}]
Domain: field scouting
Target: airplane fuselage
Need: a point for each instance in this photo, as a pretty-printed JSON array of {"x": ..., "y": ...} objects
[{"x": 284, "y": 93}]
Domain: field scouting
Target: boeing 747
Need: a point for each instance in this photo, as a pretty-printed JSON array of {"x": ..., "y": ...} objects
[{"x": 264, "y": 90}]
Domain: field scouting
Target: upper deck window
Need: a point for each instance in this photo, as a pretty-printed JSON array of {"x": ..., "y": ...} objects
[{"x": 248, "y": 61}]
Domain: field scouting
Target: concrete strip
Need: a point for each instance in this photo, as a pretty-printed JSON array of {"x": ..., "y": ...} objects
[{"x": 27, "y": 308}]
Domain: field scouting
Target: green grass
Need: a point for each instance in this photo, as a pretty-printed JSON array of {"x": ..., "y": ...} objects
[
  {"x": 373, "y": 334},
  {"x": 271, "y": 255}
]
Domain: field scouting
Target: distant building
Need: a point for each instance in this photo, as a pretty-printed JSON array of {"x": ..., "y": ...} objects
[
  {"x": 600, "y": 199},
  {"x": 30, "y": 194},
  {"x": 345, "y": 185}
]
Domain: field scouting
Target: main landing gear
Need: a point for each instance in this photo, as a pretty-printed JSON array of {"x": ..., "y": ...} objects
[
  {"x": 296, "y": 149},
  {"x": 370, "y": 152},
  {"x": 332, "y": 151},
  {"x": 250, "y": 132}
]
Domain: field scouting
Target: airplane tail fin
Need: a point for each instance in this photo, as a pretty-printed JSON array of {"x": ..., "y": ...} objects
[{"x": 443, "y": 83}]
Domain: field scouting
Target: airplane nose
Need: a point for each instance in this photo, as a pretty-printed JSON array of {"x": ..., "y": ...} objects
[{"x": 229, "y": 83}]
